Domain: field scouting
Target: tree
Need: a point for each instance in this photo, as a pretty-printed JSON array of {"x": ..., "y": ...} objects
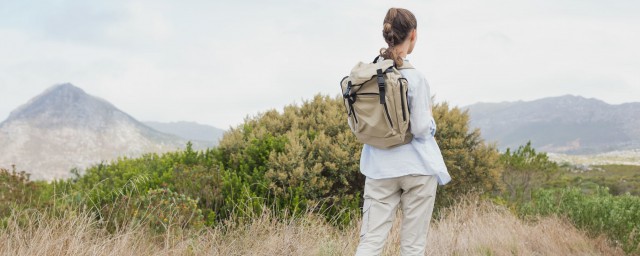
[{"x": 524, "y": 170}]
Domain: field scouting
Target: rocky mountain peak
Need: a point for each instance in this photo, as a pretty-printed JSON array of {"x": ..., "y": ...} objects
[
  {"x": 64, "y": 127},
  {"x": 67, "y": 105}
]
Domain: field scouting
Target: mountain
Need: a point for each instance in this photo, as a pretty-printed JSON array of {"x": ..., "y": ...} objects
[
  {"x": 65, "y": 128},
  {"x": 566, "y": 124},
  {"x": 192, "y": 131}
]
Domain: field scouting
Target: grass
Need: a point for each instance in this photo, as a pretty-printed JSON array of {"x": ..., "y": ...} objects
[{"x": 471, "y": 227}]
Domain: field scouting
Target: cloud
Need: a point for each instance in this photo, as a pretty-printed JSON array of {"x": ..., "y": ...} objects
[{"x": 216, "y": 62}]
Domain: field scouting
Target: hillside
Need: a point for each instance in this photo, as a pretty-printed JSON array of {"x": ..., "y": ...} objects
[
  {"x": 64, "y": 128},
  {"x": 565, "y": 124}
]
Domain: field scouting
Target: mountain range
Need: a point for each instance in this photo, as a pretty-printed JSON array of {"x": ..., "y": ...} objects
[
  {"x": 203, "y": 134},
  {"x": 65, "y": 128},
  {"x": 565, "y": 124}
]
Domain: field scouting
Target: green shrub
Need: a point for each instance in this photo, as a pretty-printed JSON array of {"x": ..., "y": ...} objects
[
  {"x": 298, "y": 159},
  {"x": 303, "y": 158},
  {"x": 524, "y": 171},
  {"x": 307, "y": 156},
  {"x": 599, "y": 213},
  {"x": 203, "y": 183},
  {"x": 163, "y": 209},
  {"x": 18, "y": 191}
]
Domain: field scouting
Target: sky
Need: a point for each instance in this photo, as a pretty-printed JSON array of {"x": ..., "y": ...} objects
[{"x": 218, "y": 62}]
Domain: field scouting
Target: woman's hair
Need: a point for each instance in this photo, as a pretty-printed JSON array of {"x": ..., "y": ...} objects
[{"x": 398, "y": 24}]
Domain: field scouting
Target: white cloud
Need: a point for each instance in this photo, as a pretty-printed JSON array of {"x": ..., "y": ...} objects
[{"x": 216, "y": 62}]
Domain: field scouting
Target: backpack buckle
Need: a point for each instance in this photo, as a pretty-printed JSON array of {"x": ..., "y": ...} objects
[{"x": 347, "y": 94}]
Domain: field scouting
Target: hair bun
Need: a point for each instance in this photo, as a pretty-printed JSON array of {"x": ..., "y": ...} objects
[
  {"x": 387, "y": 27},
  {"x": 397, "y": 26}
]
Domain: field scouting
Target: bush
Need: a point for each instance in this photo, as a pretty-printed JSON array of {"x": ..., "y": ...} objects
[
  {"x": 302, "y": 158},
  {"x": 18, "y": 191},
  {"x": 163, "y": 209},
  {"x": 600, "y": 213},
  {"x": 307, "y": 155},
  {"x": 203, "y": 183},
  {"x": 106, "y": 186},
  {"x": 526, "y": 170}
]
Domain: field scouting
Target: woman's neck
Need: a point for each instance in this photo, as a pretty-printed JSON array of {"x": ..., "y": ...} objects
[{"x": 403, "y": 49}]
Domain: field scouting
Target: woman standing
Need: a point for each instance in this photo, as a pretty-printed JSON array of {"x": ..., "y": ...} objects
[{"x": 405, "y": 175}]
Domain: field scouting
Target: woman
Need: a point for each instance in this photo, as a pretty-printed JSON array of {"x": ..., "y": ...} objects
[{"x": 405, "y": 175}]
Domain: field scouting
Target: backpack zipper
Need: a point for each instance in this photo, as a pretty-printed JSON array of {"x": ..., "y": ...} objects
[{"x": 387, "y": 112}]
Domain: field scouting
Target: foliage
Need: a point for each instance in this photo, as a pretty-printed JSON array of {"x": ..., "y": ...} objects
[
  {"x": 203, "y": 183},
  {"x": 525, "y": 170},
  {"x": 600, "y": 213},
  {"x": 163, "y": 209},
  {"x": 620, "y": 179},
  {"x": 18, "y": 191},
  {"x": 307, "y": 155},
  {"x": 473, "y": 164},
  {"x": 304, "y": 157},
  {"x": 301, "y": 158}
]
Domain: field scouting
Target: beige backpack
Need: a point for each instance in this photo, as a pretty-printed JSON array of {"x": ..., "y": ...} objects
[{"x": 375, "y": 96}]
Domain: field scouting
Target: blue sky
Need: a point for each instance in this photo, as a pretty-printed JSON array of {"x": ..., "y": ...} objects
[{"x": 216, "y": 62}]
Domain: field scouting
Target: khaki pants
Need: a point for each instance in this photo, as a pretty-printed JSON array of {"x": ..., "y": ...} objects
[{"x": 415, "y": 194}]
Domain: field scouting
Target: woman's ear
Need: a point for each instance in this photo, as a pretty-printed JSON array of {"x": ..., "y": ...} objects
[{"x": 413, "y": 37}]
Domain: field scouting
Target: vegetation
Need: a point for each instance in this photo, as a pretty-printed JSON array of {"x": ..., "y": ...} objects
[
  {"x": 620, "y": 179},
  {"x": 299, "y": 168},
  {"x": 473, "y": 164},
  {"x": 18, "y": 192},
  {"x": 536, "y": 188},
  {"x": 467, "y": 228},
  {"x": 599, "y": 213},
  {"x": 302, "y": 158},
  {"x": 524, "y": 171}
]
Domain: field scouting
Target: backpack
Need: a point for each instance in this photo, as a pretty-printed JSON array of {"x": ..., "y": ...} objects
[{"x": 375, "y": 97}]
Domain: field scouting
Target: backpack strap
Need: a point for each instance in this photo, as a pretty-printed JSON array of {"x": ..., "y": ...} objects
[{"x": 381, "y": 85}]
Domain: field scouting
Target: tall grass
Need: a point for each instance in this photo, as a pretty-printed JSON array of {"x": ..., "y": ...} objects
[{"x": 471, "y": 227}]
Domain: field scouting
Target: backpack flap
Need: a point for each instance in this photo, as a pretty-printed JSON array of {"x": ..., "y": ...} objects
[{"x": 363, "y": 72}]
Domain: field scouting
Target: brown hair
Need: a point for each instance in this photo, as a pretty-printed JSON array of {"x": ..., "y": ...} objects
[{"x": 397, "y": 26}]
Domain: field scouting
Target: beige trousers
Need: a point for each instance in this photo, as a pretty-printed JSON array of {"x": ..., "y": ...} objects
[{"x": 416, "y": 196}]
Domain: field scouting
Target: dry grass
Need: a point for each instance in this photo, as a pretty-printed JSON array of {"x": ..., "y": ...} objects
[
  {"x": 482, "y": 228},
  {"x": 469, "y": 228}
]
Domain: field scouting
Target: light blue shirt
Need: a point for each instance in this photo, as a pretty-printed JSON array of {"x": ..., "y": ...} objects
[{"x": 422, "y": 155}]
